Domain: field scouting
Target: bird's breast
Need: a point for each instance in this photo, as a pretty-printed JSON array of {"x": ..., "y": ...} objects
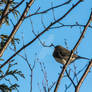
[{"x": 62, "y": 61}]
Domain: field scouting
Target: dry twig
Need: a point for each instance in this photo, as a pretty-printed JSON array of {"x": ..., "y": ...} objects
[
  {"x": 65, "y": 66},
  {"x": 39, "y": 33}
]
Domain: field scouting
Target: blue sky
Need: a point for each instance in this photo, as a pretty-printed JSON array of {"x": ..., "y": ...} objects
[{"x": 56, "y": 36}]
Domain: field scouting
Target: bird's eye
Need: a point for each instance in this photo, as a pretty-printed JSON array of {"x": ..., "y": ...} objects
[{"x": 61, "y": 53}]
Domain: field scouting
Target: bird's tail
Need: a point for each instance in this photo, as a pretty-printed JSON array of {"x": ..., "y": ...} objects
[{"x": 83, "y": 58}]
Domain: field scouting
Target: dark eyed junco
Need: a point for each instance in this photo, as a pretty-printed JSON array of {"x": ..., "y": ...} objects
[{"x": 62, "y": 54}]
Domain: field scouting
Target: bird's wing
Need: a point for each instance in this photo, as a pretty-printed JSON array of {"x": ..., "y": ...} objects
[
  {"x": 65, "y": 52},
  {"x": 60, "y": 54}
]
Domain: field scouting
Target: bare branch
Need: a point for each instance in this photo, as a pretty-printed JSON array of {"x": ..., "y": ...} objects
[
  {"x": 83, "y": 77},
  {"x": 45, "y": 11},
  {"x": 41, "y": 33},
  {"x": 68, "y": 61},
  {"x": 71, "y": 26},
  {"x": 16, "y": 27},
  {"x": 70, "y": 79}
]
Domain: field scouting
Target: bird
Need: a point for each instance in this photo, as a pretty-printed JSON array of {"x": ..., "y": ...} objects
[{"x": 62, "y": 54}]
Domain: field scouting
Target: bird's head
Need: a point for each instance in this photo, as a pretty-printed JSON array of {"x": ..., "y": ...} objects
[{"x": 58, "y": 47}]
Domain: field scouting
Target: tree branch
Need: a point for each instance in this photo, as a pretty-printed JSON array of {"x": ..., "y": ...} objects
[
  {"x": 13, "y": 9},
  {"x": 70, "y": 79},
  {"x": 5, "y": 11},
  {"x": 45, "y": 11},
  {"x": 83, "y": 77},
  {"x": 68, "y": 61},
  {"x": 16, "y": 27},
  {"x": 40, "y": 33}
]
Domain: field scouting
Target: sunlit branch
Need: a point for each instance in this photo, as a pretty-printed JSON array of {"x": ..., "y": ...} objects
[
  {"x": 41, "y": 33},
  {"x": 16, "y": 27},
  {"x": 68, "y": 61}
]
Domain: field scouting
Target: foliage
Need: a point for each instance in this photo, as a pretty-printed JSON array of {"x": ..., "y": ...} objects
[
  {"x": 12, "y": 9},
  {"x": 4, "y": 38},
  {"x": 5, "y": 75}
]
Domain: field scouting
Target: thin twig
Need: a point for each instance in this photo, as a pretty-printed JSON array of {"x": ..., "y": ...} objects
[
  {"x": 75, "y": 74},
  {"x": 30, "y": 67},
  {"x": 70, "y": 79},
  {"x": 45, "y": 11},
  {"x": 83, "y": 77},
  {"x": 38, "y": 37},
  {"x": 71, "y": 26}
]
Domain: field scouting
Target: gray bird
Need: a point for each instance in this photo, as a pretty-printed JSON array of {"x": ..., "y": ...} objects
[{"x": 62, "y": 54}]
